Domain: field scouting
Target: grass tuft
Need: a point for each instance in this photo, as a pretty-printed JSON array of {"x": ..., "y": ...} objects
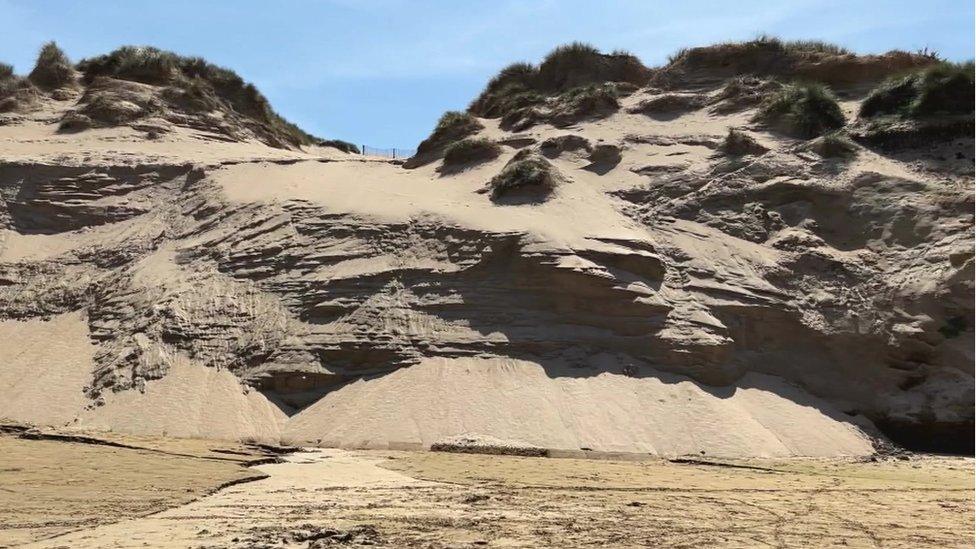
[
  {"x": 739, "y": 143},
  {"x": 833, "y": 145},
  {"x": 16, "y": 92},
  {"x": 804, "y": 109},
  {"x": 452, "y": 126},
  {"x": 53, "y": 68},
  {"x": 526, "y": 174},
  {"x": 471, "y": 150},
  {"x": 943, "y": 88}
]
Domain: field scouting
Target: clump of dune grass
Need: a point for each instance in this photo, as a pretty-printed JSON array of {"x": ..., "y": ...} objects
[
  {"x": 512, "y": 88},
  {"x": 53, "y": 68},
  {"x": 833, "y": 145},
  {"x": 344, "y": 146},
  {"x": 742, "y": 92},
  {"x": 943, "y": 88},
  {"x": 202, "y": 82},
  {"x": 669, "y": 104},
  {"x": 471, "y": 150},
  {"x": 739, "y": 143},
  {"x": 528, "y": 176},
  {"x": 577, "y": 64},
  {"x": 452, "y": 126},
  {"x": 584, "y": 101},
  {"x": 802, "y": 109}
]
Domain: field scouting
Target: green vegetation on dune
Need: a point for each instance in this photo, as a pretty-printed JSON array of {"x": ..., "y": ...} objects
[
  {"x": 739, "y": 143},
  {"x": 53, "y": 68},
  {"x": 769, "y": 44},
  {"x": 567, "y": 72},
  {"x": 470, "y": 150},
  {"x": 16, "y": 92},
  {"x": 803, "y": 109},
  {"x": 944, "y": 88},
  {"x": 199, "y": 79},
  {"x": 526, "y": 174},
  {"x": 833, "y": 145},
  {"x": 452, "y": 126}
]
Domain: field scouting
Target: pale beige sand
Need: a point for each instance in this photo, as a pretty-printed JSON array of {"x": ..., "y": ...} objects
[
  {"x": 44, "y": 367},
  {"x": 520, "y": 401},
  {"x": 191, "y": 401},
  {"x": 419, "y": 405}
]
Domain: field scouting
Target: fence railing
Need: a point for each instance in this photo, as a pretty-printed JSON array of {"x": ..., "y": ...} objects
[{"x": 394, "y": 153}]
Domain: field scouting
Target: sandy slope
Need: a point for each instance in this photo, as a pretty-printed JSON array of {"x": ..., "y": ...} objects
[
  {"x": 520, "y": 401},
  {"x": 44, "y": 366},
  {"x": 513, "y": 400}
]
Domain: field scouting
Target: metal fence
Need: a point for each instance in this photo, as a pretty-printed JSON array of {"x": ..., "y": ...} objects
[{"x": 393, "y": 153}]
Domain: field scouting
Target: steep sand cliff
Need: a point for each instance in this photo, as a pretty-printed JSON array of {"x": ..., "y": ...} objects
[{"x": 660, "y": 294}]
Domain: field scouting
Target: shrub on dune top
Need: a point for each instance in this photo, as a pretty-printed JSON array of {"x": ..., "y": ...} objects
[
  {"x": 16, "y": 92},
  {"x": 201, "y": 82},
  {"x": 802, "y": 109},
  {"x": 53, "y": 68},
  {"x": 573, "y": 66}
]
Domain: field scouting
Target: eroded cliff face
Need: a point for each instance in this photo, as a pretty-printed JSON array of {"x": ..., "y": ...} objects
[{"x": 309, "y": 274}]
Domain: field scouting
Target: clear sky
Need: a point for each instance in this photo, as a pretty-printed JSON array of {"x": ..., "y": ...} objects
[{"x": 381, "y": 72}]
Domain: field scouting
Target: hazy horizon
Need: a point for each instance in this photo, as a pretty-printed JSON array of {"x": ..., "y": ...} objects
[{"x": 381, "y": 72}]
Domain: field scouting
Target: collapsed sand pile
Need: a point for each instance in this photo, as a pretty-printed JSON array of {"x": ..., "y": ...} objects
[{"x": 690, "y": 280}]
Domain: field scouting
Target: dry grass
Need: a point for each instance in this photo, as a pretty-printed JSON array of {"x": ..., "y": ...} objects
[{"x": 576, "y": 66}]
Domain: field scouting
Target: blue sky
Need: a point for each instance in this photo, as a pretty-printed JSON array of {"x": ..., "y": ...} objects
[{"x": 381, "y": 72}]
